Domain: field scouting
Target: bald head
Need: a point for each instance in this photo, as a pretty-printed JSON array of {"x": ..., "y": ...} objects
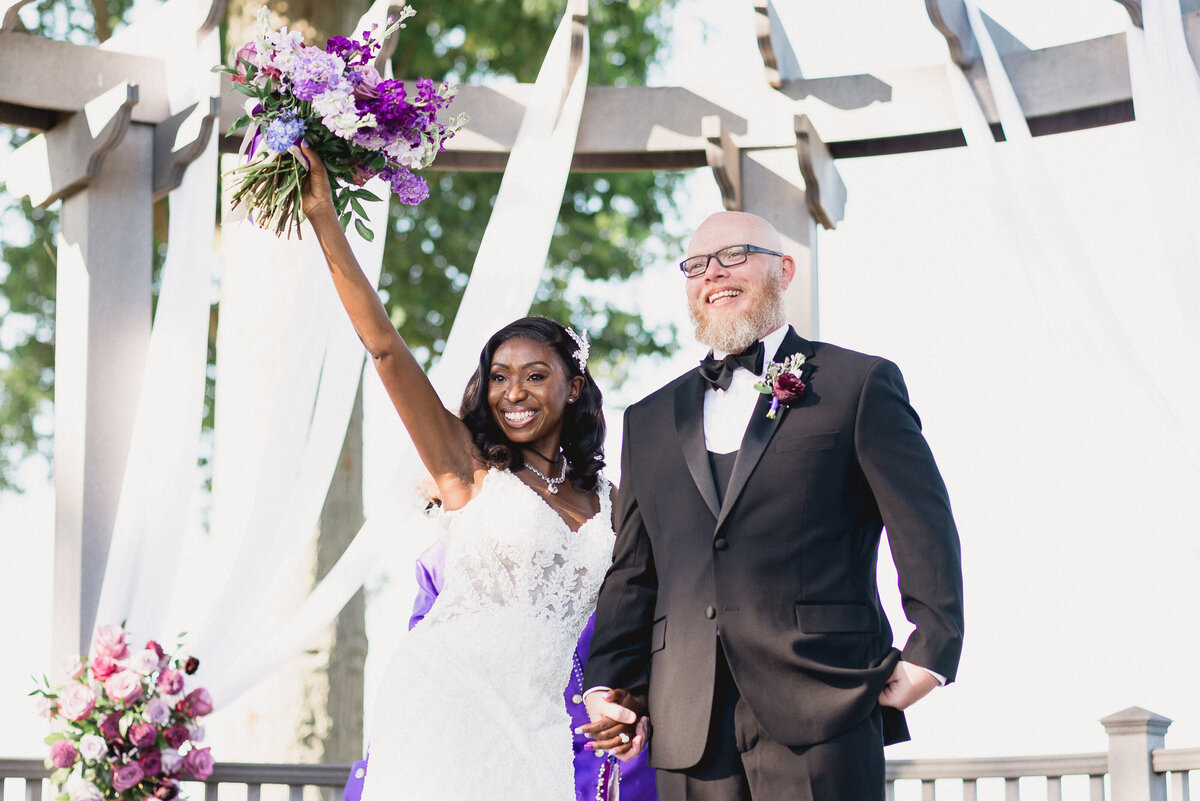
[{"x": 727, "y": 228}]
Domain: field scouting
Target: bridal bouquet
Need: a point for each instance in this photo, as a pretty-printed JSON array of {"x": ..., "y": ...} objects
[
  {"x": 127, "y": 730},
  {"x": 360, "y": 125}
]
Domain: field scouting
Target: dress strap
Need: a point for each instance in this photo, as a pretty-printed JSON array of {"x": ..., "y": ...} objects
[{"x": 605, "y": 489}]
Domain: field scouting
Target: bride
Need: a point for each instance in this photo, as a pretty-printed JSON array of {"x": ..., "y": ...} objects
[{"x": 471, "y": 704}]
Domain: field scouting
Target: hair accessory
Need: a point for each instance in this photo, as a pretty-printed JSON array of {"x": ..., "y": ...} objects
[{"x": 581, "y": 353}]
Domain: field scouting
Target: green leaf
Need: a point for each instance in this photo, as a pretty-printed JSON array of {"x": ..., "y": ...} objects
[
  {"x": 363, "y": 231},
  {"x": 54, "y": 737},
  {"x": 59, "y": 776}
]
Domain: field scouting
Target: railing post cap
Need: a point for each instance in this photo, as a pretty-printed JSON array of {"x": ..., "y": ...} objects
[{"x": 1133, "y": 720}]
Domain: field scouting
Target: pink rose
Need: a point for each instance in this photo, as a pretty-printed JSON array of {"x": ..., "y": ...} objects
[
  {"x": 76, "y": 702},
  {"x": 170, "y": 682},
  {"x": 196, "y": 703},
  {"x": 175, "y": 735},
  {"x": 111, "y": 641},
  {"x": 126, "y": 776},
  {"x": 63, "y": 754},
  {"x": 152, "y": 645},
  {"x": 103, "y": 667},
  {"x": 142, "y": 734},
  {"x": 75, "y": 668},
  {"x": 789, "y": 388},
  {"x": 92, "y": 747},
  {"x": 151, "y": 762},
  {"x": 110, "y": 727},
  {"x": 45, "y": 707},
  {"x": 368, "y": 87},
  {"x": 199, "y": 763},
  {"x": 125, "y": 687}
]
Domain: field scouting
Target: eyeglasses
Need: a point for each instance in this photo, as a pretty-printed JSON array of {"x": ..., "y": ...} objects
[{"x": 727, "y": 257}]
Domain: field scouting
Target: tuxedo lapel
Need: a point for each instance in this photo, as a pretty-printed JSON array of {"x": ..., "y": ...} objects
[
  {"x": 761, "y": 428},
  {"x": 689, "y": 425}
]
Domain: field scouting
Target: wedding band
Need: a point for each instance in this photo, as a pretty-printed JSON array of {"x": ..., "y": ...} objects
[{"x": 624, "y": 738}]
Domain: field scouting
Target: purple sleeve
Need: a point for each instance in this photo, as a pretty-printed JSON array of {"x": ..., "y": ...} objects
[{"x": 431, "y": 566}]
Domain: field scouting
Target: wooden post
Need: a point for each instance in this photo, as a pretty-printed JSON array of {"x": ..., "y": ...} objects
[
  {"x": 101, "y": 165},
  {"x": 1133, "y": 734}
]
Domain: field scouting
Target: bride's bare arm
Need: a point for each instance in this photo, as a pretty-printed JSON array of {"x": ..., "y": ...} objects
[{"x": 442, "y": 441}]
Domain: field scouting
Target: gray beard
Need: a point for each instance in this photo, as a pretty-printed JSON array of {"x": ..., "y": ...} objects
[{"x": 737, "y": 334}]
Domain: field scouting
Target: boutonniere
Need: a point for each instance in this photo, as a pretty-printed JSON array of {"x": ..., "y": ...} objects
[{"x": 783, "y": 383}]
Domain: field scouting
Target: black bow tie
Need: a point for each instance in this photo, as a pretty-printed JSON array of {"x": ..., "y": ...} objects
[{"x": 719, "y": 372}]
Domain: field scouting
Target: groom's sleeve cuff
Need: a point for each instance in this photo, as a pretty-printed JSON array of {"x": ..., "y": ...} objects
[{"x": 596, "y": 689}]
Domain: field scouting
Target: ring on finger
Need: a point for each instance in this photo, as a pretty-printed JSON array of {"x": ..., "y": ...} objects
[{"x": 624, "y": 738}]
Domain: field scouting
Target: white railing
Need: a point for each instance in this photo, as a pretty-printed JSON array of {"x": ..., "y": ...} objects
[{"x": 1136, "y": 767}]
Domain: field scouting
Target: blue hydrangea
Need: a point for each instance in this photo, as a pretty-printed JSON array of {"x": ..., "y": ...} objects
[{"x": 284, "y": 131}]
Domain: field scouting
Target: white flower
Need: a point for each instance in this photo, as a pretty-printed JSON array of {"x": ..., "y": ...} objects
[
  {"x": 81, "y": 790},
  {"x": 157, "y": 711},
  {"x": 144, "y": 662},
  {"x": 92, "y": 747},
  {"x": 171, "y": 759},
  {"x": 44, "y": 707},
  {"x": 195, "y": 732}
]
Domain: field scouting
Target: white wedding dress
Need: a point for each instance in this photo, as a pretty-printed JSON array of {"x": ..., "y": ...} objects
[{"x": 471, "y": 705}]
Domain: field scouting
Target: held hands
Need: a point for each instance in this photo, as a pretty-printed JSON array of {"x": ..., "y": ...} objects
[
  {"x": 615, "y": 713},
  {"x": 908, "y": 684}
]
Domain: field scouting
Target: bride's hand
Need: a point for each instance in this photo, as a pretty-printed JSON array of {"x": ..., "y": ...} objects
[
  {"x": 315, "y": 195},
  {"x": 624, "y": 739}
]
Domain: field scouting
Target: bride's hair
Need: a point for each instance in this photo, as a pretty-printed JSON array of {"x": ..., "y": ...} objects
[{"x": 583, "y": 421}]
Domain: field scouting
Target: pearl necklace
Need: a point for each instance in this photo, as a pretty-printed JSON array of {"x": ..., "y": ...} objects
[{"x": 551, "y": 483}]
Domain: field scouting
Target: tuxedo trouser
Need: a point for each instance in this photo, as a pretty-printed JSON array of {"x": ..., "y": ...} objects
[{"x": 742, "y": 762}]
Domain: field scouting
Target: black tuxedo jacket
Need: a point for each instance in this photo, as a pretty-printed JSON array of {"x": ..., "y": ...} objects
[{"x": 785, "y": 567}]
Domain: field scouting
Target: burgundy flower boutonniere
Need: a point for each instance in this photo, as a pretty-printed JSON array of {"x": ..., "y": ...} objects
[{"x": 783, "y": 383}]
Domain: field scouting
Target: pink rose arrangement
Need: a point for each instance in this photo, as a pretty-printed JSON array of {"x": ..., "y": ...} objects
[
  {"x": 333, "y": 98},
  {"x": 127, "y": 726}
]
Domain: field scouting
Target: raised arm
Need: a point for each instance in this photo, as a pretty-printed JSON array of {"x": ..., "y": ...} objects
[{"x": 442, "y": 440}]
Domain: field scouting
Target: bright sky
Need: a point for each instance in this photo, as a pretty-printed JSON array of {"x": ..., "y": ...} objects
[{"x": 1068, "y": 482}]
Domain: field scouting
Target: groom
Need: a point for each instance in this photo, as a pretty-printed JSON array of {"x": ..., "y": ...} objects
[{"x": 741, "y": 604}]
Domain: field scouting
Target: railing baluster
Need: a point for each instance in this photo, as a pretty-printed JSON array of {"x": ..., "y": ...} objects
[
  {"x": 295, "y": 792},
  {"x": 1179, "y": 786},
  {"x": 1012, "y": 790},
  {"x": 1053, "y": 788},
  {"x": 927, "y": 789},
  {"x": 889, "y": 792},
  {"x": 210, "y": 791},
  {"x": 968, "y": 790},
  {"x": 253, "y": 791},
  {"x": 1098, "y": 787},
  {"x": 33, "y": 790}
]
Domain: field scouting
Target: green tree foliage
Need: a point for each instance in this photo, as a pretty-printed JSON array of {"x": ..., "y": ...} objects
[{"x": 607, "y": 222}]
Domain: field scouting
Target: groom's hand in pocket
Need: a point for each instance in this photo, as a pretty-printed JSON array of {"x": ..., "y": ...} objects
[
  {"x": 908, "y": 684},
  {"x": 615, "y": 713}
]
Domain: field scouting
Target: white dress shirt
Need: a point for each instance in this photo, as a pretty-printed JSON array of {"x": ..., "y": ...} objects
[{"x": 727, "y": 412}]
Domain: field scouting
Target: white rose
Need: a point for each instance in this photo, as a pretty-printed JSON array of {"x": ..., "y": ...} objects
[
  {"x": 92, "y": 747},
  {"x": 144, "y": 662},
  {"x": 157, "y": 711},
  {"x": 81, "y": 790},
  {"x": 195, "y": 732},
  {"x": 171, "y": 760}
]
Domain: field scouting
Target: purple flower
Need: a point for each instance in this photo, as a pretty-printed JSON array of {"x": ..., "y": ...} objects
[
  {"x": 285, "y": 131},
  {"x": 316, "y": 71},
  {"x": 127, "y": 776},
  {"x": 350, "y": 51},
  {"x": 410, "y": 189},
  {"x": 198, "y": 763},
  {"x": 197, "y": 703},
  {"x": 63, "y": 754},
  {"x": 150, "y": 762},
  {"x": 190, "y": 666},
  {"x": 142, "y": 734},
  {"x": 110, "y": 727},
  {"x": 165, "y": 790},
  {"x": 391, "y": 108},
  {"x": 789, "y": 388}
]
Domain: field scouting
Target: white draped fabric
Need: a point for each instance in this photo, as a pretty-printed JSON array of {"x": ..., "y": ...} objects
[
  {"x": 257, "y": 508},
  {"x": 161, "y": 469},
  {"x": 1058, "y": 267}
]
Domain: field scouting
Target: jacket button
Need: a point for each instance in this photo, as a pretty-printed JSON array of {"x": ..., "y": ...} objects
[
  {"x": 721, "y": 544},
  {"x": 710, "y": 613}
]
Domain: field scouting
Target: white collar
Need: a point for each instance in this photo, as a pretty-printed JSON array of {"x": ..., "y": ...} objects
[{"x": 771, "y": 343}]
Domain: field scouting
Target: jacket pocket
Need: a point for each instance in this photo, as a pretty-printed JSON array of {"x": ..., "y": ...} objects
[
  {"x": 807, "y": 442},
  {"x": 658, "y": 635},
  {"x": 833, "y": 618}
]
